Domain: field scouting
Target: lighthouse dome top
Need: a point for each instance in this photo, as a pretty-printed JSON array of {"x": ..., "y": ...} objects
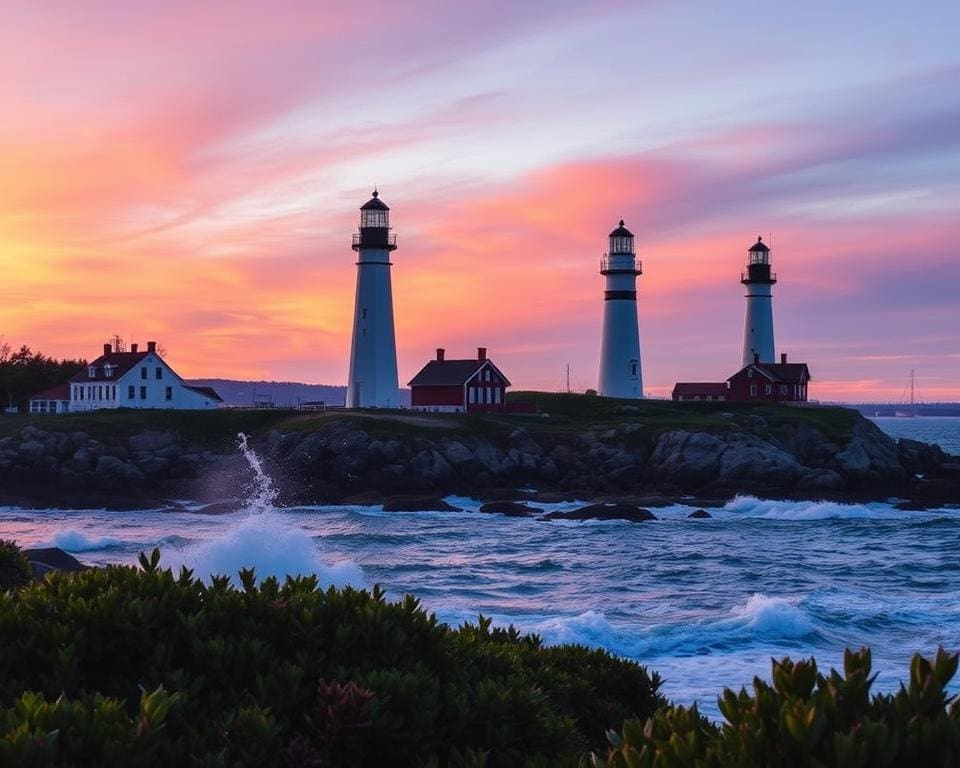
[
  {"x": 375, "y": 203},
  {"x": 621, "y": 231},
  {"x": 759, "y": 246}
]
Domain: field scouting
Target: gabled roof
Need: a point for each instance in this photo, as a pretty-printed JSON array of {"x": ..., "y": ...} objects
[
  {"x": 121, "y": 362},
  {"x": 700, "y": 388},
  {"x": 779, "y": 373},
  {"x": 451, "y": 373},
  {"x": 59, "y": 392},
  {"x": 206, "y": 391}
]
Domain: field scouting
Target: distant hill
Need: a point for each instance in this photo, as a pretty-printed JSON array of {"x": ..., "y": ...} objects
[{"x": 283, "y": 394}]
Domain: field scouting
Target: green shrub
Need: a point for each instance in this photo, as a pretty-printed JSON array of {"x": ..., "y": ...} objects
[
  {"x": 807, "y": 719},
  {"x": 14, "y": 568},
  {"x": 287, "y": 674}
]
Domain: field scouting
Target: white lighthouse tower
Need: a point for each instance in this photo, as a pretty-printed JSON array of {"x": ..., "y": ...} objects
[
  {"x": 620, "y": 374},
  {"x": 758, "y": 328},
  {"x": 373, "y": 353}
]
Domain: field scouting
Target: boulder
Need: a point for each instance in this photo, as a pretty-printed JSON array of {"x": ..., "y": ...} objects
[
  {"x": 457, "y": 453},
  {"x": 418, "y": 504},
  {"x": 605, "y": 512},
  {"x": 220, "y": 508},
  {"x": 510, "y": 509},
  {"x": 147, "y": 442},
  {"x": 430, "y": 465},
  {"x": 700, "y": 514},
  {"x": 55, "y": 558}
]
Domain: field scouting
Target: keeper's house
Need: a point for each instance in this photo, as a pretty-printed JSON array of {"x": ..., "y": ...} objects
[
  {"x": 781, "y": 382},
  {"x": 459, "y": 386},
  {"x": 135, "y": 379}
]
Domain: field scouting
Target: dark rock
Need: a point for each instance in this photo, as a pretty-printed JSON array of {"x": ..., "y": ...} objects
[
  {"x": 220, "y": 508},
  {"x": 54, "y": 557},
  {"x": 510, "y": 509},
  {"x": 700, "y": 514},
  {"x": 147, "y": 442},
  {"x": 41, "y": 569},
  {"x": 418, "y": 504},
  {"x": 605, "y": 512}
]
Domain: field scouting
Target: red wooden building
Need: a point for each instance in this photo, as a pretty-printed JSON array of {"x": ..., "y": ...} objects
[
  {"x": 781, "y": 382},
  {"x": 459, "y": 386},
  {"x": 701, "y": 390}
]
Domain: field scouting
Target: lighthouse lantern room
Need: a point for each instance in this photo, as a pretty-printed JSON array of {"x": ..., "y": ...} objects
[
  {"x": 372, "y": 381},
  {"x": 758, "y": 326},
  {"x": 620, "y": 369}
]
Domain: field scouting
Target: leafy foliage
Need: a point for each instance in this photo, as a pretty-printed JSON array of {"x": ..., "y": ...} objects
[
  {"x": 25, "y": 373},
  {"x": 125, "y": 666},
  {"x": 14, "y": 568},
  {"x": 807, "y": 719}
]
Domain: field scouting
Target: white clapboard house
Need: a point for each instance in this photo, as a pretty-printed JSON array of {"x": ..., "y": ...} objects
[{"x": 135, "y": 379}]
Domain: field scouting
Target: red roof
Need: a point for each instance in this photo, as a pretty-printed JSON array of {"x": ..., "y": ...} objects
[
  {"x": 780, "y": 373},
  {"x": 121, "y": 362},
  {"x": 688, "y": 388},
  {"x": 452, "y": 373},
  {"x": 59, "y": 392}
]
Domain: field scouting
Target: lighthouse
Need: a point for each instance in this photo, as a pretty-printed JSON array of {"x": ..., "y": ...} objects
[
  {"x": 373, "y": 353},
  {"x": 758, "y": 328},
  {"x": 620, "y": 374}
]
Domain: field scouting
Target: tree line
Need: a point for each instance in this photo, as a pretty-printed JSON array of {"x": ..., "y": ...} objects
[{"x": 24, "y": 373}]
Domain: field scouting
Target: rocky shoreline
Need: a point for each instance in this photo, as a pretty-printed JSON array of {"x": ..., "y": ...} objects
[{"x": 348, "y": 460}]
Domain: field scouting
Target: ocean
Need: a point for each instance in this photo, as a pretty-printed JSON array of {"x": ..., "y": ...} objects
[{"x": 706, "y": 603}]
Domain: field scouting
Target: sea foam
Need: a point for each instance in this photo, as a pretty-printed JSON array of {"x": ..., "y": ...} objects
[
  {"x": 270, "y": 545},
  {"x": 78, "y": 541}
]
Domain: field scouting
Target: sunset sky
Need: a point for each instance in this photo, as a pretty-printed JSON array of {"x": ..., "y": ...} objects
[{"x": 191, "y": 172}]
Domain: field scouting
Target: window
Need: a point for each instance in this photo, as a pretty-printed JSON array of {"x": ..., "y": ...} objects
[
  {"x": 131, "y": 392},
  {"x": 169, "y": 392},
  {"x": 143, "y": 391},
  {"x": 108, "y": 371},
  {"x": 487, "y": 374},
  {"x": 753, "y": 390},
  {"x": 159, "y": 372},
  {"x": 783, "y": 389},
  {"x": 92, "y": 372},
  {"x": 472, "y": 391},
  {"x": 633, "y": 368},
  {"x": 100, "y": 392},
  {"x": 768, "y": 389},
  {"x": 364, "y": 313},
  {"x": 750, "y": 373},
  {"x": 496, "y": 395},
  {"x": 143, "y": 371}
]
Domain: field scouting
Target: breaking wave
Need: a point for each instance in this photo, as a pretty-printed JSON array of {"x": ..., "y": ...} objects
[
  {"x": 78, "y": 541},
  {"x": 270, "y": 545}
]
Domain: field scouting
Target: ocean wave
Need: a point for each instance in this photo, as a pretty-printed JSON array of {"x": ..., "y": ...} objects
[
  {"x": 268, "y": 544},
  {"x": 78, "y": 541},
  {"x": 762, "y": 622},
  {"x": 752, "y": 507}
]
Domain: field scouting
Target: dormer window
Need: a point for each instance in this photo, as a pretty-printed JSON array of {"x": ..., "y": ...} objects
[
  {"x": 108, "y": 371},
  {"x": 92, "y": 372}
]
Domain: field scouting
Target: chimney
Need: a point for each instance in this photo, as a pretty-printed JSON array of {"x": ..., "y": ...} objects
[
  {"x": 481, "y": 354},
  {"x": 152, "y": 346},
  {"x": 107, "y": 349},
  {"x": 756, "y": 358},
  {"x": 783, "y": 358},
  {"x": 440, "y": 353},
  {"x": 133, "y": 347}
]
